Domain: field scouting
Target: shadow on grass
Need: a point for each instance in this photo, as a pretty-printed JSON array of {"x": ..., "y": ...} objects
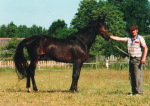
[
  {"x": 116, "y": 92},
  {"x": 41, "y": 91}
]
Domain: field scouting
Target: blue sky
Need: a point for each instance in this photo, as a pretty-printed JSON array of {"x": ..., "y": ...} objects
[{"x": 38, "y": 12}]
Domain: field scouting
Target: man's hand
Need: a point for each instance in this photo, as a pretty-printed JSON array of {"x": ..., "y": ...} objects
[{"x": 143, "y": 61}]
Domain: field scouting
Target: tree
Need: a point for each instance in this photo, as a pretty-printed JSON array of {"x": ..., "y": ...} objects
[
  {"x": 8, "y": 50},
  {"x": 35, "y": 30},
  {"x": 11, "y": 30},
  {"x": 136, "y": 12},
  {"x": 91, "y": 10},
  {"x": 23, "y": 31},
  {"x": 64, "y": 32},
  {"x": 56, "y": 25},
  {"x": 3, "y": 30},
  {"x": 147, "y": 39},
  {"x": 116, "y": 2},
  {"x": 59, "y": 29}
]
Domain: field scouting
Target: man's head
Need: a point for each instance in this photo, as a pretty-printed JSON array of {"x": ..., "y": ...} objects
[{"x": 133, "y": 30}]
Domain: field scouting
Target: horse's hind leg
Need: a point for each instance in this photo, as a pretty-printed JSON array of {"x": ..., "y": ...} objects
[
  {"x": 28, "y": 85},
  {"x": 30, "y": 74}
]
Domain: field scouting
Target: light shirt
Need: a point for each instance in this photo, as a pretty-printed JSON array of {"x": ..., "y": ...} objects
[{"x": 134, "y": 46}]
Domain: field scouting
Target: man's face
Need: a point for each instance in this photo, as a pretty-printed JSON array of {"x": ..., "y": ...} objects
[{"x": 134, "y": 32}]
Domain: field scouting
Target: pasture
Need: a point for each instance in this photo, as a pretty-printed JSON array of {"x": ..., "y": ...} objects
[{"x": 102, "y": 87}]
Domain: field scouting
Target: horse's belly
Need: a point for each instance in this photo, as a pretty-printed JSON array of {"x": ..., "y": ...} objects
[{"x": 64, "y": 56}]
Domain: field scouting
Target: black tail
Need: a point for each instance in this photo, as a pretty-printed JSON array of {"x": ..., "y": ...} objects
[{"x": 20, "y": 61}]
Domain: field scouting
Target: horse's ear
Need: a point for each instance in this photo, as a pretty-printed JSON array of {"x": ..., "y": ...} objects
[{"x": 101, "y": 20}]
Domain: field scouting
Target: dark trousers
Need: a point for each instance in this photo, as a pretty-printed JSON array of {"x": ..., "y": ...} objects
[{"x": 135, "y": 71}]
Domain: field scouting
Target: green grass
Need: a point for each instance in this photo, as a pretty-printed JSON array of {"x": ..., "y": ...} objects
[{"x": 102, "y": 87}]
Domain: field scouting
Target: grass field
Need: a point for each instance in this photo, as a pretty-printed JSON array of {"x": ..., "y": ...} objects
[{"x": 102, "y": 87}]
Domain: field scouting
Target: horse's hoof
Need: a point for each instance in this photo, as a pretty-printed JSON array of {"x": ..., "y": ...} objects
[
  {"x": 29, "y": 90},
  {"x": 73, "y": 91},
  {"x": 37, "y": 91}
]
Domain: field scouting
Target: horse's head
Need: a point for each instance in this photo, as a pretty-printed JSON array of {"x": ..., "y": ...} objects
[{"x": 103, "y": 32}]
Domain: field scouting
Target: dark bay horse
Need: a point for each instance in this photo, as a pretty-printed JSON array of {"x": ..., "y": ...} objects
[{"x": 73, "y": 49}]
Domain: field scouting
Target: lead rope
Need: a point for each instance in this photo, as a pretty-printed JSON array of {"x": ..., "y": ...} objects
[{"x": 122, "y": 51}]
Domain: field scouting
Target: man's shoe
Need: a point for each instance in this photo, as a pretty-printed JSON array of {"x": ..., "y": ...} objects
[
  {"x": 130, "y": 94},
  {"x": 138, "y": 94},
  {"x": 135, "y": 94}
]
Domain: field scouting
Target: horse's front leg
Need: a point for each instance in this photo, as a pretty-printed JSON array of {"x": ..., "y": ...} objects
[{"x": 75, "y": 76}]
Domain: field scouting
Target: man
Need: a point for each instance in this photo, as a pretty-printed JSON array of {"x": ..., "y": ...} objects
[{"x": 135, "y": 44}]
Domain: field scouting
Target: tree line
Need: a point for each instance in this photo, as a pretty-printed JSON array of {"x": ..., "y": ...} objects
[
  {"x": 119, "y": 15},
  {"x": 123, "y": 13}
]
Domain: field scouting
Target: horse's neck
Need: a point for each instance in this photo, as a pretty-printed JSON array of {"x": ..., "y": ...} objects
[{"x": 89, "y": 37}]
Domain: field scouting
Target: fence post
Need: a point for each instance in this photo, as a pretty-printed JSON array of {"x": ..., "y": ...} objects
[
  {"x": 107, "y": 63},
  {"x": 96, "y": 61}
]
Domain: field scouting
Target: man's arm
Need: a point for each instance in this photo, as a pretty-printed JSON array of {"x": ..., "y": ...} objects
[
  {"x": 144, "y": 53},
  {"x": 117, "y": 38}
]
